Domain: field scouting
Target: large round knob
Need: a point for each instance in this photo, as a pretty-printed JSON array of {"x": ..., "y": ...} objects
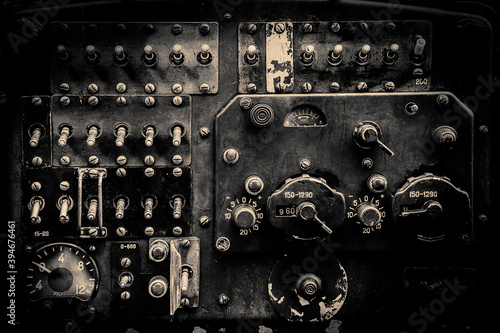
[
  {"x": 368, "y": 214},
  {"x": 158, "y": 286},
  {"x": 244, "y": 216}
]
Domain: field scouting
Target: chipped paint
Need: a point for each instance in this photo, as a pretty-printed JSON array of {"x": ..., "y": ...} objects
[{"x": 279, "y": 57}]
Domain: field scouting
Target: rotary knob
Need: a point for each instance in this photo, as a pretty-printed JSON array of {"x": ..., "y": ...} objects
[
  {"x": 368, "y": 214},
  {"x": 244, "y": 216},
  {"x": 158, "y": 250}
]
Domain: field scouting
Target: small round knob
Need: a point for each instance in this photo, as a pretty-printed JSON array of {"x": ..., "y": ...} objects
[
  {"x": 158, "y": 250},
  {"x": 368, "y": 214},
  {"x": 377, "y": 183},
  {"x": 254, "y": 185},
  {"x": 158, "y": 286},
  {"x": 244, "y": 216}
]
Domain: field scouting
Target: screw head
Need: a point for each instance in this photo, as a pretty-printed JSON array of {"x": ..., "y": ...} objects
[
  {"x": 362, "y": 86},
  {"x": 121, "y": 172},
  {"x": 64, "y": 87},
  {"x": 246, "y": 103},
  {"x": 177, "y": 100},
  {"x": 121, "y": 101},
  {"x": 204, "y": 221},
  {"x": 121, "y": 160},
  {"x": 279, "y": 28},
  {"x": 204, "y": 28},
  {"x": 204, "y": 88},
  {"x": 149, "y": 101},
  {"x": 251, "y": 88},
  {"x": 64, "y": 100},
  {"x": 389, "y": 86},
  {"x": 186, "y": 243},
  {"x": 223, "y": 299},
  {"x": 92, "y": 88},
  {"x": 177, "y": 88},
  {"x": 335, "y": 27},
  {"x": 93, "y": 101},
  {"x": 418, "y": 72},
  {"x": 222, "y": 244},
  {"x": 149, "y": 172},
  {"x": 36, "y": 101},
  {"x": 177, "y": 159},
  {"x": 64, "y": 186},
  {"x": 37, "y": 161},
  {"x": 65, "y": 160},
  {"x": 121, "y": 87},
  {"x": 177, "y": 231},
  {"x": 93, "y": 160},
  {"x": 184, "y": 302},
  {"x": 121, "y": 231},
  {"x": 149, "y": 231},
  {"x": 251, "y": 28},
  {"x": 231, "y": 156},
  {"x": 367, "y": 163},
  {"x": 442, "y": 100},
  {"x": 177, "y": 172},
  {"x": 149, "y": 88},
  {"x": 36, "y": 186},
  {"x": 176, "y": 29},
  {"x": 305, "y": 164},
  {"x": 306, "y": 87},
  {"x": 204, "y": 131},
  {"x": 307, "y": 28},
  {"x": 334, "y": 87},
  {"x": 483, "y": 129}
]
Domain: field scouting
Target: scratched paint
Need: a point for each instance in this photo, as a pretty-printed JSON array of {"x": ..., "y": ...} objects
[{"x": 279, "y": 57}]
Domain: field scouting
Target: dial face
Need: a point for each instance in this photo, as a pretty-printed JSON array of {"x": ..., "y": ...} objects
[
  {"x": 305, "y": 116},
  {"x": 61, "y": 270}
]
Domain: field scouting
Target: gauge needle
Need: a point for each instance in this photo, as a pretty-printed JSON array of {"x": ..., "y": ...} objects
[{"x": 42, "y": 267}]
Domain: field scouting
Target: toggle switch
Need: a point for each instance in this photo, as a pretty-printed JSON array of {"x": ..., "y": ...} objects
[
  {"x": 121, "y": 132},
  {"x": 65, "y": 132},
  {"x": 149, "y": 204},
  {"x": 308, "y": 55},
  {"x": 35, "y": 134},
  {"x": 251, "y": 55},
  {"x": 367, "y": 134},
  {"x": 149, "y": 132},
  {"x": 186, "y": 274},
  {"x": 64, "y": 204},
  {"x": 92, "y": 210},
  {"x": 363, "y": 56},
  {"x": 125, "y": 280},
  {"x": 391, "y": 55},
  {"x": 120, "y": 205},
  {"x": 120, "y": 57},
  {"x": 63, "y": 56},
  {"x": 35, "y": 205},
  {"x": 92, "y": 57},
  {"x": 149, "y": 57},
  {"x": 335, "y": 55},
  {"x": 204, "y": 56},
  {"x": 177, "y": 57},
  {"x": 418, "y": 54},
  {"x": 177, "y": 132},
  {"x": 177, "y": 203},
  {"x": 92, "y": 133}
]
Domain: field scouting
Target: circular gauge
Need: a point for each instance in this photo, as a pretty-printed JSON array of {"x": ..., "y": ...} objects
[
  {"x": 305, "y": 116},
  {"x": 61, "y": 270}
]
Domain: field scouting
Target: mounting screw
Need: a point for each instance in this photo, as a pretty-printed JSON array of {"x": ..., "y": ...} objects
[
  {"x": 246, "y": 103},
  {"x": 149, "y": 88},
  {"x": 93, "y": 101},
  {"x": 149, "y": 231},
  {"x": 176, "y": 29},
  {"x": 251, "y": 88},
  {"x": 186, "y": 243},
  {"x": 222, "y": 244},
  {"x": 149, "y": 101},
  {"x": 121, "y": 172},
  {"x": 305, "y": 164},
  {"x": 28, "y": 248},
  {"x": 362, "y": 86},
  {"x": 482, "y": 218},
  {"x": 149, "y": 172},
  {"x": 177, "y": 172},
  {"x": 121, "y": 101},
  {"x": 204, "y": 88},
  {"x": 204, "y": 221},
  {"x": 177, "y": 231},
  {"x": 36, "y": 186},
  {"x": 204, "y": 28},
  {"x": 307, "y": 28},
  {"x": 223, "y": 299},
  {"x": 279, "y": 28},
  {"x": 483, "y": 129},
  {"x": 92, "y": 88},
  {"x": 184, "y": 302},
  {"x": 93, "y": 160},
  {"x": 64, "y": 186},
  {"x": 442, "y": 100},
  {"x": 64, "y": 87},
  {"x": 307, "y": 87},
  {"x": 177, "y": 100},
  {"x": 177, "y": 159},
  {"x": 389, "y": 86},
  {"x": 36, "y": 101},
  {"x": 121, "y": 87},
  {"x": 334, "y": 86},
  {"x": 251, "y": 28},
  {"x": 37, "y": 161},
  {"x": 64, "y": 100},
  {"x": 204, "y": 131},
  {"x": 121, "y": 231},
  {"x": 65, "y": 160},
  {"x": 335, "y": 27}
]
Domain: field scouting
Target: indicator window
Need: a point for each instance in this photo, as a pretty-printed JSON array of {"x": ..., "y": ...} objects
[{"x": 305, "y": 116}]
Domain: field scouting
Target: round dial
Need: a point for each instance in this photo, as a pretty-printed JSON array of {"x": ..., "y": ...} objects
[
  {"x": 305, "y": 116},
  {"x": 246, "y": 213},
  {"x": 367, "y": 211},
  {"x": 61, "y": 270},
  {"x": 244, "y": 216}
]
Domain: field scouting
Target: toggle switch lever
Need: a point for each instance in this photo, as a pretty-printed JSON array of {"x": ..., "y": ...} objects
[
  {"x": 432, "y": 208},
  {"x": 367, "y": 134},
  {"x": 307, "y": 211}
]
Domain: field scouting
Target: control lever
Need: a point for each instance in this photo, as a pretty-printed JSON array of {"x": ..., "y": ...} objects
[
  {"x": 307, "y": 211},
  {"x": 431, "y": 208},
  {"x": 367, "y": 134}
]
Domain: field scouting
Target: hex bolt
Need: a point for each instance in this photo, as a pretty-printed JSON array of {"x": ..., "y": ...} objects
[
  {"x": 204, "y": 132},
  {"x": 121, "y": 87},
  {"x": 334, "y": 87},
  {"x": 177, "y": 159},
  {"x": 36, "y": 186},
  {"x": 92, "y": 88},
  {"x": 389, "y": 86},
  {"x": 177, "y": 231},
  {"x": 121, "y": 172},
  {"x": 204, "y": 221},
  {"x": 93, "y": 160},
  {"x": 149, "y": 88},
  {"x": 121, "y": 101},
  {"x": 177, "y": 100},
  {"x": 176, "y": 29},
  {"x": 64, "y": 100},
  {"x": 223, "y": 299},
  {"x": 204, "y": 88},
  {"x": 279, "y": 28},
  {"x": 251, "y": 28},
  {"x": 93, "y": 101},
  {"x": 37, "y": 161},
  {"x": 149, "y": 172},
  {"x": 149, "y": 231},
  {"x": 177, "y": 88},
  {"x": 64, "y": 185},
  {"x": 442, "y": 100},
  {"x": 177, "y": 172},
  {"x": 251, "y": 88},
  {"x": 64, "y": 87},
  {"x": 335, "y": 27},
  {"x": 65, "y": 160},
  {"x": 305, "y": 164},
  {"x": 36, "y": 101},
  {"x": 149, "y": 101},
  {"x": 121, "y": 231},
  {"x": 306, "y": 87},
  {"x": 362, "y": 86},
  {"x": 121, "y": 160}
]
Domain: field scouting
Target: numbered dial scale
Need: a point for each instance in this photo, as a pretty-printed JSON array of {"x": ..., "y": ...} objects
[
  {"x": 368, "y": 211},
  {"x": 61, "y": 270},
  {"x": 246, "y": 213}
]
